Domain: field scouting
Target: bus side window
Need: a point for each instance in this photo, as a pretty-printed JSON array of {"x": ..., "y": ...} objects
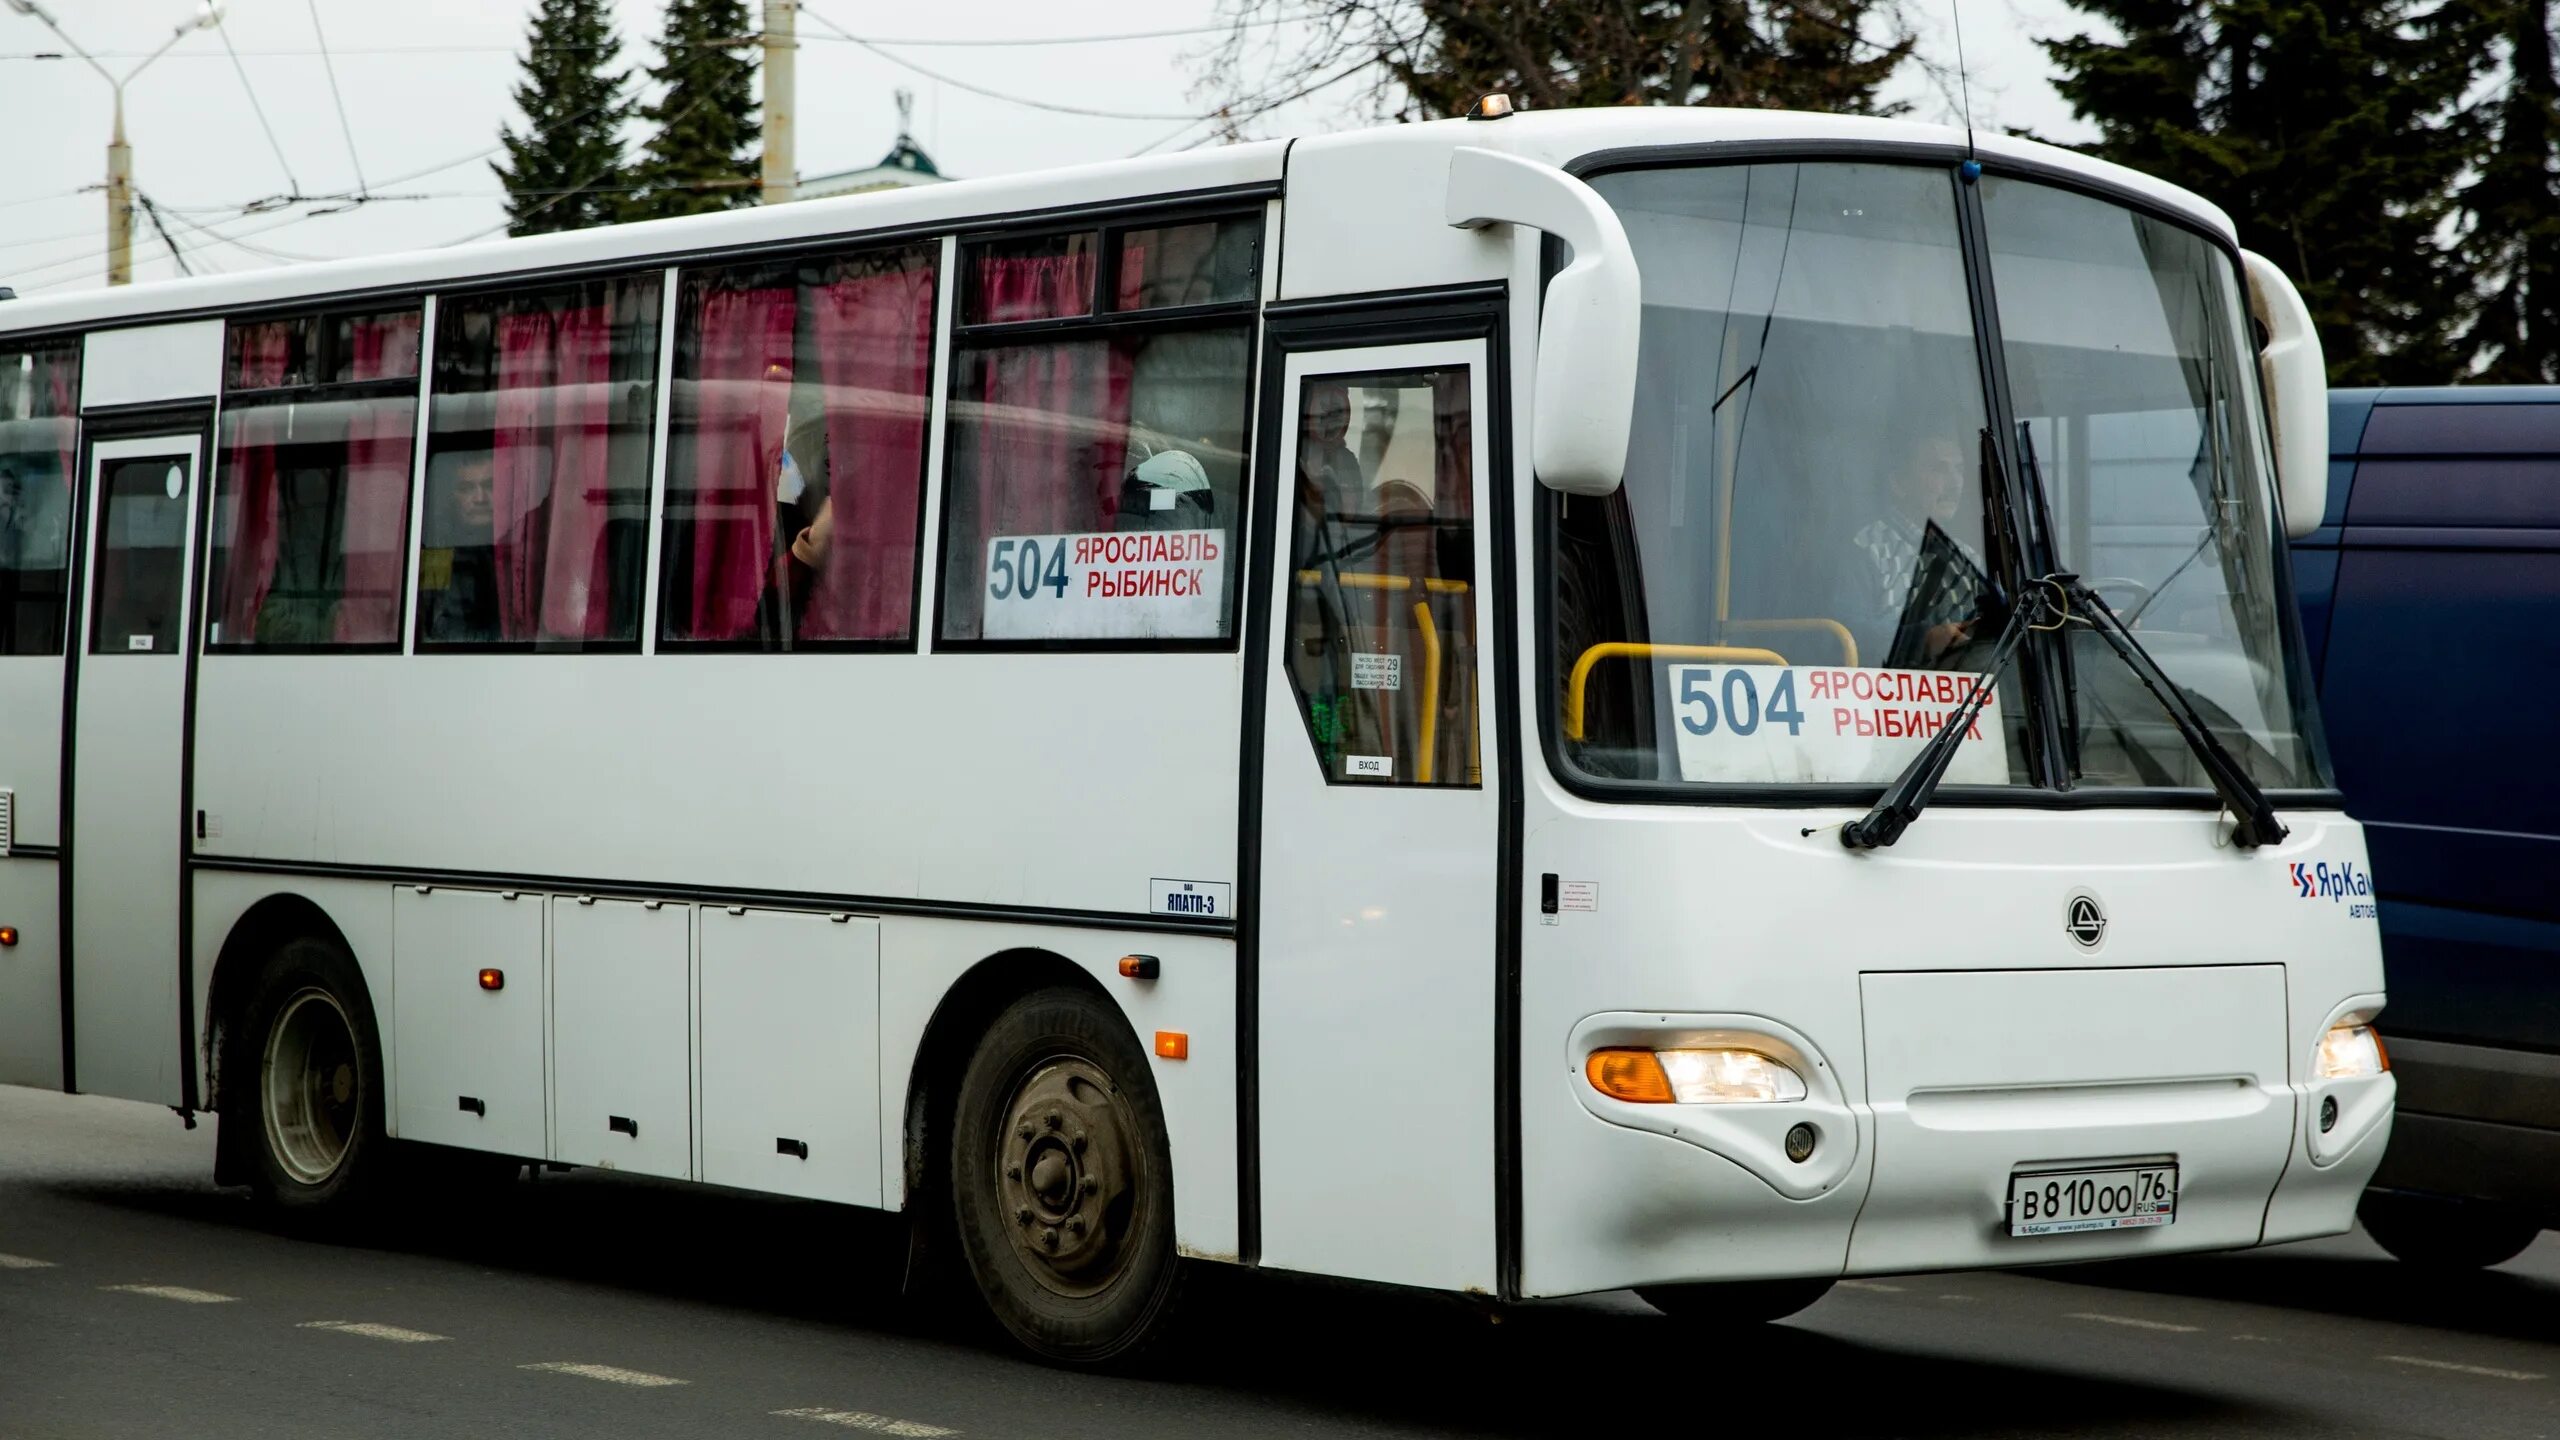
[
  {"x": 39, "y": 440},
  {"x": 1382, "y": 642},
  {"x": 796, "y": 444}
]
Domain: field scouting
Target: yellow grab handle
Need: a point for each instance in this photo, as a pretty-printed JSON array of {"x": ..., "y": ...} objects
[
  {"x": 1630, "y": 649},
  {"x": 1363, "y": 580},
  {"x": 1832, "y": 628},
  {"x": 1423, "y": 767}
]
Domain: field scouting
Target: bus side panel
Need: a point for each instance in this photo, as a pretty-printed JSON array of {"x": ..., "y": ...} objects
[
  {"x": 31, "y": 883},
  {"x": 1052, "y": 780},
  {"x": 921, "y": 959},
  {"x": 361, "y": 911},
  {"x": 31, "y": 973}
]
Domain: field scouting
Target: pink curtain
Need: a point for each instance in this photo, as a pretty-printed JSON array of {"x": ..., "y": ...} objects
[
  {"x": 875, "y": 334},
  {"x": 1053, "y": 428},
  {"x": 551, "y": 451},
  {"x": 742, "y": 400},
  {"x": 249, "y": 499},
  {"x": 1032, "y": 287},
  {"x": 374, "y": 541}
]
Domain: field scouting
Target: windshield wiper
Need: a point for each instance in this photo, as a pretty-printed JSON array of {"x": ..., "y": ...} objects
[
  {"x": 1909, "y": 794},
  {"x": 2254, "y": 815}
]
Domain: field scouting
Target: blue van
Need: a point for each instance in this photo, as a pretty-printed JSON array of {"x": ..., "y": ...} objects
[{"x": 2431, "y": 602}]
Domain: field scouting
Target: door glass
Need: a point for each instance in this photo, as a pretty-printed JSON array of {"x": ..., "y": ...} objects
[
  {"x": 1381, "y": 579},
  {"x": 142, "y": 548}
]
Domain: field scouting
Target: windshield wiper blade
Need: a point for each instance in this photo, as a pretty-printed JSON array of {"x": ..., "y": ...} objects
[
  {"x": 1910, "y": 793},
  {"x": 2254, "y": 815}
]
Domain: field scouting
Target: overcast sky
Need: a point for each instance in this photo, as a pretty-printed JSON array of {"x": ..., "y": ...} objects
[{"x": 425, "y": 84}]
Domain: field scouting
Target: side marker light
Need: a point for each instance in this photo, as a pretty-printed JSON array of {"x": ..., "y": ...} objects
[
  {"x": 1138, "y": 967},
  {"x": 8, "y": 935},
  {"x": 1173, "y": 1045},
  {"x": 493, "y": 979}
]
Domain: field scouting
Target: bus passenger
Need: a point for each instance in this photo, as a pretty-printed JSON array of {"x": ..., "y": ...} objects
[
  {"x": 464, "y": 608},
  {"x": 1166, "y": 491}
]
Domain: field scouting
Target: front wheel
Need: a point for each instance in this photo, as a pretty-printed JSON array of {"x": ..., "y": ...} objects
[
  {"x": 1062, "y": 1181},
  {"x": 2442, "y": 1233},
  {"x": 313, "y": 1101},
  {"x": 1734, "y": 1302}
]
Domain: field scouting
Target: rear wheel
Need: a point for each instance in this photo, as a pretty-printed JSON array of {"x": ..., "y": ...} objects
[
  {"x": 1734, "y": 1302},
  {"x": 313, "y": 1104},
  {"x": 1062, "y": 1181},
  {"x": 2443, "y": 1233}
]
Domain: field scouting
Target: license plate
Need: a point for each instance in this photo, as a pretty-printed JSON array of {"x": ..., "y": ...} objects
[{"x": 2065, "y": 1202}]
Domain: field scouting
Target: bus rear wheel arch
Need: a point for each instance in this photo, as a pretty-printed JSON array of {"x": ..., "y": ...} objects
[
  {"x": 1060, "y": 1181},
  {"x": 302, "y": 1098}
]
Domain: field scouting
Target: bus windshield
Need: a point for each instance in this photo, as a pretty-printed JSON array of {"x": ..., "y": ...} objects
[{"x": 1802, "y": 574}]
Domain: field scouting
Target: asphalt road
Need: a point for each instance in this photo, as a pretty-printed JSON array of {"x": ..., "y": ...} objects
[{"x": 138, "y": 1301}]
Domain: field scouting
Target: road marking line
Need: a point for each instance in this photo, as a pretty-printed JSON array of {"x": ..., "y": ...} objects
[
  {"x": 2492, "y": 1373},
  {"x": 2261, "y": 1339},
  {"x": 863, "y": 1420},
  {"x": 1955, "y": 1297},
  {"x": 23, "y": 1262},
  {"x": 2130, "y": 1320},
  {"x": 178, "y": 1293},
  {"x": 369, "y": 1330},
  {"x": 614, "y": 1373},
  {"x": 1876, "y": 1285}
]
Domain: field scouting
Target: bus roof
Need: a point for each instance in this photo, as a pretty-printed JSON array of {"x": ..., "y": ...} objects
[{"x": 1558, "y": 137}]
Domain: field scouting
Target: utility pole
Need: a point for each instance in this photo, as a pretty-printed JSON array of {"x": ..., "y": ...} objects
[
  {"x": 781, "y": 167},
  {"x": 119, "y": 201},
  {"x": 120, "y": 154}
]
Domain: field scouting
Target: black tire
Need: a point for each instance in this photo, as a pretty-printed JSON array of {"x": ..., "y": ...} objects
[
  {"x": 303, "y": 1084},
  {"x": 1061, "y": 1182},
  {"x": 2443, "y": 1233},
  {"x": 1734, "y": 1302}
]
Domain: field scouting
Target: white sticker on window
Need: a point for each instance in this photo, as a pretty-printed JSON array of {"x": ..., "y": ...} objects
[
  {"x": 1372, "y": 670},
  {"x": 1146, "y": 584},
  {"x": 1382, "y": 767},
  {"x": 137, "y": 642},
  {"x": 1578, "y": 895},
  {"x": 1812, "y": 724}
]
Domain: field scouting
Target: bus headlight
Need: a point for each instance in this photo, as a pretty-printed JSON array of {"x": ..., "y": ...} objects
[
  {"x": 1691, "y": 1077},
  {"x": 2349, "y": 1052}
]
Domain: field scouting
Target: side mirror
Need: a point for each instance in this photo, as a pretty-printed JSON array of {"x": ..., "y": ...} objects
[
  {"x": 2295, "y": 376},
  {"x": 1585, "y": 394}
]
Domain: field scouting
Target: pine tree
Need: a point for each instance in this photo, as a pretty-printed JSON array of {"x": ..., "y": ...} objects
[
  {"x": 565, "y": 171},
  {"x": 2511, "y": 236},
  {"x": 702, "y": 154},
  {"x": 2329, "y": 133}
]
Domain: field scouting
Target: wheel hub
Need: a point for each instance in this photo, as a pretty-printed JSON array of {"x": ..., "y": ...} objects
[
  {"x": 308, "y": 1086},
  {"x": 1066, "y": 1172}
]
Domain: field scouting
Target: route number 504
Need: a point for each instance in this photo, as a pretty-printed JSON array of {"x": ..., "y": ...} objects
[
  {"x": 1008, "y": 583},
  {"x": 1742, "y": 710}
]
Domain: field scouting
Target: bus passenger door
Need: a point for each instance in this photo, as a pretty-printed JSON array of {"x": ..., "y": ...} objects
[
  {"x": 1375, "y": 906},
  {"x": 127, "y": 822}
]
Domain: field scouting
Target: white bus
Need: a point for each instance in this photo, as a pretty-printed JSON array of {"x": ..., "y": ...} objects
[{"x": 1366, "y": 712}]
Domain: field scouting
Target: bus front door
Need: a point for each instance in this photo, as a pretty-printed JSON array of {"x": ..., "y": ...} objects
[
  {"x": 1375, "y": 909},
  {"x": 127, "y": 824}
]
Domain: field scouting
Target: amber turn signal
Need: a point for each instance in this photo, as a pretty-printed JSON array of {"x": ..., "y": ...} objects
[
  {"x": 1138, "y": 967},
  {"x": 493, "y": 979},
  {"x": 8, "y": 935},
  {"x": 1173, "y": 1045},
  {"x": 1630, "y": 1075}
]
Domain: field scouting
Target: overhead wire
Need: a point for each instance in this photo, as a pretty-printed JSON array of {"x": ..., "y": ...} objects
[
  {"x": 292, "y": 184},
  {"x": 330, "y": 64},
  {"x": 732, "y": 42},
  {"x": 993, "y": 94}
]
